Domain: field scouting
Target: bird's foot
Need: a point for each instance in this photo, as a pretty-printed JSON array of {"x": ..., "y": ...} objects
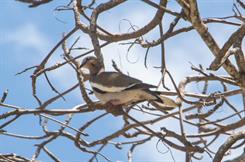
[{"x": 114, "y": 109}]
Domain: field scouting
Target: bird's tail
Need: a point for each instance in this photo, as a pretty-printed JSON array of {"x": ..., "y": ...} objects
[{"x": 162, "y": 102}]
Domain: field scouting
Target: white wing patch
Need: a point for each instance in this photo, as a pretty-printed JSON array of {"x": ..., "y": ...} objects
[{"x": 109, "y": 89}]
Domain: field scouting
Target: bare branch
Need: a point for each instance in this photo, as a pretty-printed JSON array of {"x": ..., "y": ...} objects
[{"x": 230, "y": 141}]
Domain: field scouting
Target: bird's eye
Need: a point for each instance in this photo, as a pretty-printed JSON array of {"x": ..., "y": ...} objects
[{"x": 93, "y": 64}]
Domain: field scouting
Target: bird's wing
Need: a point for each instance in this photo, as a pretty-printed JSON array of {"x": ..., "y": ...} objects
[{"x": 117, "y": 82}]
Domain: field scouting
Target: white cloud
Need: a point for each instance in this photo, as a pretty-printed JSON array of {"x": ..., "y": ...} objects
[{"x": 27, "y": 36}]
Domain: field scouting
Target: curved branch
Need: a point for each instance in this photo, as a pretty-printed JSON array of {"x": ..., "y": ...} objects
[
  {"x": 119, "y": 37},
  {"x": 227, "y": 145}
]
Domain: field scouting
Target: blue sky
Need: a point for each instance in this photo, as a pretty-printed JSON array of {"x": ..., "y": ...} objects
[{"x": 28, "y": 34}]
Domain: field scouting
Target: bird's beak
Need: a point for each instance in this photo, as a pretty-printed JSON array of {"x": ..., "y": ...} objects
[{"x": 84, "y": 66}]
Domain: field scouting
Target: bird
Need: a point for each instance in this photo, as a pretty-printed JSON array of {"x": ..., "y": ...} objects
[{"x": 117, "y": 89}]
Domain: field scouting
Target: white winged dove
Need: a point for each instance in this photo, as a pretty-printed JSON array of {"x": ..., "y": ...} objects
[{"x": 117, "y": 89}]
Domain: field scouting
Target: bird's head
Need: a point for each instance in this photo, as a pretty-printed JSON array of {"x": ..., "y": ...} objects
[{"x": 92, "y": 64}]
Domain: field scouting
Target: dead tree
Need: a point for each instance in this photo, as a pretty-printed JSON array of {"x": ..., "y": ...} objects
[{"x": 195, "y": 110}]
